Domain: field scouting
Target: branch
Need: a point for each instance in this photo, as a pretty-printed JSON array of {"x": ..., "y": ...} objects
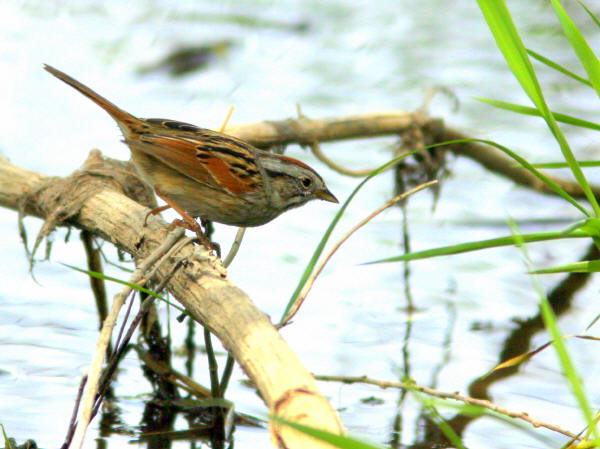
[
  {"x": 201, "y": 285},
  {"x": 443, "y": 395},
  {"x": 306, "y": 131}
]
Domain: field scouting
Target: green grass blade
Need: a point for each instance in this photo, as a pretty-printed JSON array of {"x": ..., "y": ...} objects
[
  {"x": 527, "y": 110},
  {"x": 558, "y": 67},
  {"x": 542, "y": 177},
  {"x": 482, "y": 244},
  {"x": 559, "y": 344},
  {"x": 586, "y": 266},
  {"x": 552, "y": 165},
  {"x": 507, "y": 38},
  {"x": 585, "y": 54},
  {"x": 591, "y": 14},
  {"x": 319, "y": 250},
  {"x": 436, "y": 417},
  {"x": 139, "y": 288}
]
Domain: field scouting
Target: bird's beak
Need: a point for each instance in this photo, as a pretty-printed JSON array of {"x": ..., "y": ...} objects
[{"x": 326, "y": 195}]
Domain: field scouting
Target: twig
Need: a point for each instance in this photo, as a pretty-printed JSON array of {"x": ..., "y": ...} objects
[
  {"x": 213, "y": 369},
  {"x": 139, "y": 276},
  {"x": 431, "y": 92},
  {"x": 171, "y": 375},
  {"x": 120, "y": 349},
  {"x": 235, "y": 246},
  {"x": 443, "y": 395},
  {"x": 311, "y": 280},
  {"x": 190, "y": 347},
  {"x": 74, "y": 415},
  {"x": 227, "y": 117},
  {"x": 122, "y": 329},
  {"x": 97, "y": 284},
  {"x": 316, "y": 149},
  {"x": 229, "y": 364}
]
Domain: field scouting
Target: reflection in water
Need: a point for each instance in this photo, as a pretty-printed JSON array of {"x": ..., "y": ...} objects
[
  {"x": 519, "y": 340},
  {"x": 429, "y": 434}
]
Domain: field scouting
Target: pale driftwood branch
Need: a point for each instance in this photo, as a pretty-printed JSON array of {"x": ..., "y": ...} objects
[
  {"x": 307, "y": 131},
  {"x": 201, "y": 285},
  {"x": 444, "y": 395}
]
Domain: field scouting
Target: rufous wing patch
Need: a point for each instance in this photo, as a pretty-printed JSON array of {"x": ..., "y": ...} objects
[{"x": 187, "y": 156}]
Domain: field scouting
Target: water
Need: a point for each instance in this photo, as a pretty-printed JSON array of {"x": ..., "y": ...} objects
[{"x": 352, "y": 58}]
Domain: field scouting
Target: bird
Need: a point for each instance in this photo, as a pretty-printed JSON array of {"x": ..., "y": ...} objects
[{"x": 207, "y": 174}]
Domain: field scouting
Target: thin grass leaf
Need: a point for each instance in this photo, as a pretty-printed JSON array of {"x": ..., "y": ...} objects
[
  {"x": 586, "y": 266},
  {"x": 139, "y": 288},
  {"x": 567, "y": 365},
  {"x": 591, "y": 14},
  {"x": 511, "y": 46},
  {"x": 554, "y": 165},
  {"x": 551, "y": 325},
  {"x": 527, "y": 110},
  {"x": 7, "y": 442},
  {"x": 585, "y": 54},
  {"x": 558, "y": 67},
  {"x": 588, "y": 337},
  {"x": 518, "y": 359},
  {"x": 589, "y": 225},
  {"x": 479, "y": 245},
  {"x": 541, "y": 176},
  {"x": 439, "y": 421},
  {"x": 509, "y": 43},
  {"x": 507, "y": 38},
  {"x": 319, "y": 250},
  {"x": 594, "y": 321},
  {"x": 341, "y": 441},
  {"x": 293, "y": 309}
]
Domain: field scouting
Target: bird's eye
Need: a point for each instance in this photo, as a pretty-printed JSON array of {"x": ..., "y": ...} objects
[{"x": 306, "y": 182}]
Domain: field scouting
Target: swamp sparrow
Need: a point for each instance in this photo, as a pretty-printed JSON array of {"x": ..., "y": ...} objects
[{"x": 208, "y": 174}]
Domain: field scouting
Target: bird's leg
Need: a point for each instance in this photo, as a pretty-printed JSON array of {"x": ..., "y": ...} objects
[
  {"x": 208, "y": 230},
  {"x": 188, "y": 221},
  {"x": 156, "y": 211}
]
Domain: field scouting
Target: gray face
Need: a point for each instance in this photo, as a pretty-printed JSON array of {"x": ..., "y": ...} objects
[
  {"x": 295, "y": 187},
  {"x": 297, "y": 190}
]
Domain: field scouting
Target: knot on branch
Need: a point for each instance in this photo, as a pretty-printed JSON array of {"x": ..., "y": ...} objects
[
  {"x": 59, "y": 200},
  {"x": 425, "y": 165}
]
